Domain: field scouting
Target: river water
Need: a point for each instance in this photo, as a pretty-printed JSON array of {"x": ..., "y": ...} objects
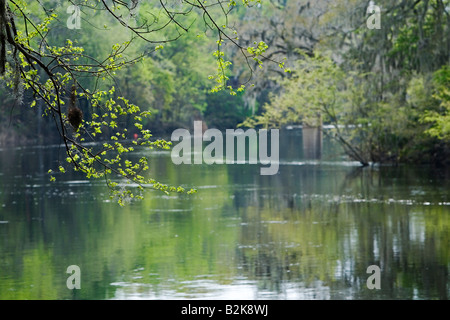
[{"x": 309, "y": 232}]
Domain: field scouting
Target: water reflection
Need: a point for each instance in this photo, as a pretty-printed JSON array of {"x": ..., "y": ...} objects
[{"x": 309, "y": 232}]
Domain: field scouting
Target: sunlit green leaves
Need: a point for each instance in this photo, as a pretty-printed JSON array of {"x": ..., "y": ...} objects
[
  {"x": 440, "y": 117},
  {"x": 65, "y": 72}
]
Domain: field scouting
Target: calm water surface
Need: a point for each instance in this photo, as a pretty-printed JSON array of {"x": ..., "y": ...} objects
[{"x": 309, "y": 232}]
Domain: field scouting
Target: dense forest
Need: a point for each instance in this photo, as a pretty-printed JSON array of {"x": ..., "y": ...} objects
[{"x": 384, "y": 90}]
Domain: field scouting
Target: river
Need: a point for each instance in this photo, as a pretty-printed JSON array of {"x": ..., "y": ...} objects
[{"x": 308, "y": 232}]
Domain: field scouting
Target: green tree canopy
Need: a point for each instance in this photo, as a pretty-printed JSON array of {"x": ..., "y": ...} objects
[
  {"x": 384, "y": 91},
  {"x": 81, "y": 75}
]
